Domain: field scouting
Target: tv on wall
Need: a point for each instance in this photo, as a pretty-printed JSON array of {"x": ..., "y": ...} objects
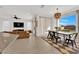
[{"x": 18, "y": 24}]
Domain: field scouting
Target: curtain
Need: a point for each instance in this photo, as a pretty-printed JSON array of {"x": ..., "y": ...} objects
[{"x": 44, "y": 24}]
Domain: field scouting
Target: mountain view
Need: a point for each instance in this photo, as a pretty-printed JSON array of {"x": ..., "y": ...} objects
[{"x": 68, "y": 22}]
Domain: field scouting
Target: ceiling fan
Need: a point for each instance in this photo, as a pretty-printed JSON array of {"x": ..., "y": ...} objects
[{"x": 15, "y": 17}]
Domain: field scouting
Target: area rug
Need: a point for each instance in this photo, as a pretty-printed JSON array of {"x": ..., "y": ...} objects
[{"x": 63, "y": 49}]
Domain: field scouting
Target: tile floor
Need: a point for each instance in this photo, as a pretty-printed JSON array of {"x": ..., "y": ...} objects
[{"x": 32, "y": 45}]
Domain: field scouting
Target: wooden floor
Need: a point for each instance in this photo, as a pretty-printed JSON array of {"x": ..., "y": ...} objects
[{"x": 33, "y": 45}]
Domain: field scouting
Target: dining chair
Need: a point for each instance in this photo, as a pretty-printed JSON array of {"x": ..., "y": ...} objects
[
  {"x": 50, "y": 35},
  {"x": 71, "y": 39},
  {"x": 56, "y": 37}
]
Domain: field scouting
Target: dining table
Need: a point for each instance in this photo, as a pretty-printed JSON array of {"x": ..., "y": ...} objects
[{"x": 59, "y": 33}]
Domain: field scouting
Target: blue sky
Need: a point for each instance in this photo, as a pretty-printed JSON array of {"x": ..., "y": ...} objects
[{"x": 68, "y": 20}]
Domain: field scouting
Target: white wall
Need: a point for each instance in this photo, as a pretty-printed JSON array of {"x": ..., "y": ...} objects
[
  {"x": 0, "y": 25},
  {"x": 7, "y": 25},
  {"x": 53, "y": 23}
]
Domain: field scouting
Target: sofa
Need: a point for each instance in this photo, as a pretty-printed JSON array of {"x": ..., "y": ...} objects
[{"x": 22, "y": 34}]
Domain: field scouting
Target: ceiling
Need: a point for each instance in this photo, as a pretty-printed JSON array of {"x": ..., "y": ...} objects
[{"x": 29, "y": 11}]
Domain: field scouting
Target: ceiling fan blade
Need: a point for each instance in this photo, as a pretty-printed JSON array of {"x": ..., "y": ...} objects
[{"x": 15, "y": 17}]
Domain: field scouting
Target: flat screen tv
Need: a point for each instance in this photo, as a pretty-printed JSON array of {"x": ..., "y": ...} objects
[{"x": 18, "y": 24}]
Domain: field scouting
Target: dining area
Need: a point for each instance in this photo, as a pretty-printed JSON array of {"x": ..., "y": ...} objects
[
  {"x": 67, "y": 38},
  {"x": 63, "y": 34},
  {"x": 65, "y": 42},
  {"x": 65, "y": 30}
]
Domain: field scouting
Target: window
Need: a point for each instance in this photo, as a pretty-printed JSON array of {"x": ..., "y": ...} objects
[{"x": 68, "y": 23}]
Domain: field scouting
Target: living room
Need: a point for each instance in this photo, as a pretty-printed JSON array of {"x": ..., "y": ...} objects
[
  {"x": 36, "y": 17},
  {"x": 31, "y": 25}
]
